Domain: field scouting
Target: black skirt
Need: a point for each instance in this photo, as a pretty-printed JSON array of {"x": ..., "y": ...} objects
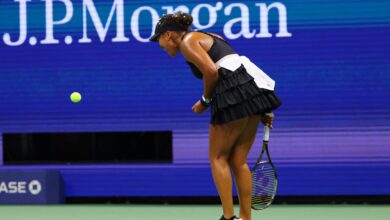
[{"x": 237, "y": 96}]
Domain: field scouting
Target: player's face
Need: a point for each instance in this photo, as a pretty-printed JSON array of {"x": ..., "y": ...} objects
[{"x": 166, "y": 43}]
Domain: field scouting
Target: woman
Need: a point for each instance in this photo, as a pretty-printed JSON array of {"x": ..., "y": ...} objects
[{"x": 237, "y": 104}]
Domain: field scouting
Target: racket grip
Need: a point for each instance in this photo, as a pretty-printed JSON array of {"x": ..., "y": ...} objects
[{"x": 266, "y": 133}]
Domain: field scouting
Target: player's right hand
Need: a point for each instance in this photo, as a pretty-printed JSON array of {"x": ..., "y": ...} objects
[{"x": 267, "y": 119}]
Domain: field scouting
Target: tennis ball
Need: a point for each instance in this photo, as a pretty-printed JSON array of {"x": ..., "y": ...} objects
[{"x": 75, "y": 97}]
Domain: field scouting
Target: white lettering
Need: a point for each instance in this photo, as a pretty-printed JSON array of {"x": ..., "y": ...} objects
[
  {"x": 22, "y": 25},
  {"x": 50, "y": 22},
  {"x": 212, "y": 14},
  {"x": 135, "y": 22},
  {"x": 117, "y": 6},
  {"x": 264, "y": 20},
  {"x": 22, "y": 187},
  {"x": 13, "y": 187},
  {"x": 3, "y": 187},
  {"x": 244, "y": 20},
  {"x": 205, "y": 15}
]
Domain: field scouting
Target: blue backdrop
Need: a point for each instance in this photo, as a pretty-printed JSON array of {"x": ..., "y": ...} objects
[{"x": 330, "y": 60}]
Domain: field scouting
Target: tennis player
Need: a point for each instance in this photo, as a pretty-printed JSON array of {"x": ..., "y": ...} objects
[{"x": 238, "y": 104}]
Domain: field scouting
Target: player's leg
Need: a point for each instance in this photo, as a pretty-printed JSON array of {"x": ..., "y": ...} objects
[
  {"x": 222, "y": 138},
  {"x": 238, "y": 163}
]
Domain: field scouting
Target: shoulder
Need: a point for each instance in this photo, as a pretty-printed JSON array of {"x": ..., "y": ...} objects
[
  {"x": 198, "y": 38},
  {"x": 191, "y": 40},
  {"x": 194, "y": 47},
  {"x": 193, "y": 36}
]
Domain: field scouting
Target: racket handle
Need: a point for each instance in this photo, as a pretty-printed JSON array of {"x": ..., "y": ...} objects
[{"x": 266, "y": 133}]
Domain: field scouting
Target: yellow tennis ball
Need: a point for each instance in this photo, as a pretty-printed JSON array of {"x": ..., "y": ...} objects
[{"x": 75, "y": 97}]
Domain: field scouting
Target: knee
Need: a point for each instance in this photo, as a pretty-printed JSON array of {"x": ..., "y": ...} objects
[
  {"x": 218, "y": 159},
  {"x": 237, "y": 163}
]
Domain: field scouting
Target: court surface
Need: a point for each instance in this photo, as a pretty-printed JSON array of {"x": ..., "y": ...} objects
[{"x": 195, "y": 212}]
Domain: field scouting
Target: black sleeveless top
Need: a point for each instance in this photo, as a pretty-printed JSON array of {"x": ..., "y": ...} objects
[{"x": 218, "y": 50}]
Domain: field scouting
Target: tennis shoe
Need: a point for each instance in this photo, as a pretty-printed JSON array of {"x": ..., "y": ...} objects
[{"x": 232, "y": 218}]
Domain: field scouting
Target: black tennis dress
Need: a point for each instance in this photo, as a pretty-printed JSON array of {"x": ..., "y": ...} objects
[{"x": 236, "y": 94}]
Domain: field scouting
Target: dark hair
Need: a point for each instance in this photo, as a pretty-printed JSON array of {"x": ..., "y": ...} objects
[
  {"x": 182, "y": 21},
  {"x": 172, "y": 22}
]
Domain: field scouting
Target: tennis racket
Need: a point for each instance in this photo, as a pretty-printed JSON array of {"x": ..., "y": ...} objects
[{"x": 264, "y": 177}]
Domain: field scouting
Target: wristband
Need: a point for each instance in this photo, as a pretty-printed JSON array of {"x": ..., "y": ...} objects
[{"x": 206, "y": 102}]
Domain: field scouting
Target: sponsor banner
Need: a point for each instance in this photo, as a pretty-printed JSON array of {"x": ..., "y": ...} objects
[{"x": 31, "y": 187}]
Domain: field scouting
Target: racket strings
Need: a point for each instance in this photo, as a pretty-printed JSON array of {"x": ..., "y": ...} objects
[{"x": 263, "y": 185}]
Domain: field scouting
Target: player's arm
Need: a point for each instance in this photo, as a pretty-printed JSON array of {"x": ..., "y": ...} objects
[{"x": 194, "y": 53}]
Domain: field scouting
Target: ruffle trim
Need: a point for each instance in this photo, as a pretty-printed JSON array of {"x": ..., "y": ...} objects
[
  {"x": 263, "y": 103},
  {"x": 229, "y": 79},
  {"x": 237, "y": 96}
]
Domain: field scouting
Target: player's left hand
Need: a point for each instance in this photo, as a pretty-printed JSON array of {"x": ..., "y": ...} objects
[{"x": 199, "y": 108}]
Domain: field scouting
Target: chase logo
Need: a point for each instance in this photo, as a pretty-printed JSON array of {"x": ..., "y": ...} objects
[
  {"x": 35, "y": 187},
  {"x": 20, "y": 187}
]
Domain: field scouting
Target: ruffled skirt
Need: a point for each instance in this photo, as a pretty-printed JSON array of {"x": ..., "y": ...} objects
[{"x": 237, "y": 96}]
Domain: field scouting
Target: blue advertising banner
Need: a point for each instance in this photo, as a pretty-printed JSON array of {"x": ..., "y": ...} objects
[{"x": 31, "y": 187}]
